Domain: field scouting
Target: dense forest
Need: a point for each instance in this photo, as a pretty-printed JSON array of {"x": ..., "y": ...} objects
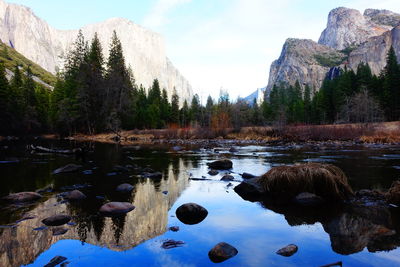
[{"x": 93, "y": 95}]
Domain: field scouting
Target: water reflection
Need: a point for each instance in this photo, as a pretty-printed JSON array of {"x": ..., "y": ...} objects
[{"x": 21, "y": 244}]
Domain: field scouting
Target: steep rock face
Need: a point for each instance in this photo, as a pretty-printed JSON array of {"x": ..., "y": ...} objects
[
  {"x": 348, "y": 27},
  {"x": 304, "y": 61},
  {"x": 375, "y": 50},
  {"x": 144, "y": 50},
  {"x": 382, "y": 17}
]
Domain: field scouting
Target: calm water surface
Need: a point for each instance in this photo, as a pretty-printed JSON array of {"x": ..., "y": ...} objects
[{"x": 134, "y": 240}]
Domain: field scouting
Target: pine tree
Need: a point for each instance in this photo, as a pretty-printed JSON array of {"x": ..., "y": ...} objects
[
  {"x": 5, "y": 101},
  {"x": 175, "y": 108},
  {"x": 391, "y": 86}
]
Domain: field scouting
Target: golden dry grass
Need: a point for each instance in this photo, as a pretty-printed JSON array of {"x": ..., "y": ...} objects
[{"x": 324, "y": 180}]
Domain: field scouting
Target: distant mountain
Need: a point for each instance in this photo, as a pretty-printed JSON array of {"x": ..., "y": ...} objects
[
  {"x": 257, "y": 95},
  {"x": 144, "y": 50},
  {"x": 349, "y": 39}
]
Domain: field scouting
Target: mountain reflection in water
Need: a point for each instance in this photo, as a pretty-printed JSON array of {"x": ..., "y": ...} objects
[{"x": 362, "y": 235}]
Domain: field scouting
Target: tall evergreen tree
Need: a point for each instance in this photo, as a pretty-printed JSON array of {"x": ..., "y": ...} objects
[{"x": 391, "y": 86}]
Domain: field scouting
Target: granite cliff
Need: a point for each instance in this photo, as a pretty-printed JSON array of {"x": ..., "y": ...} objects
[
  {"x": 349, "y": 39},
  {"x": 144, "y": 50}
]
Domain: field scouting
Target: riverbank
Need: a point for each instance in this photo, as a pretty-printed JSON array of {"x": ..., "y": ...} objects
[{"x": 370, "y": 133}]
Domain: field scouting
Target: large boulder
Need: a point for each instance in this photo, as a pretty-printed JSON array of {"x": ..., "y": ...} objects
[
  {"x": 116, "y": 208},
  {"x": 223, "y": 164},
  {"x": 221, "y": 252},
  {"x": 23, "y": 197},
  {"x": 67, "y": 168},
  {"x": 75, "y": 195},
  {"x": 125, "y": 188},
  {"x": 57, "y": 220},
  {"x": 191, "y": 213}
]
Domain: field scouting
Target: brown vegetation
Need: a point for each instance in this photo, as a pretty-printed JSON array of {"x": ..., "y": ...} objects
[{"x": 324, "y": 180}]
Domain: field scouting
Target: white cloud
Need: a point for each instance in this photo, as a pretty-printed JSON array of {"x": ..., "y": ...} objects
[{"x": 158, "y": 15}]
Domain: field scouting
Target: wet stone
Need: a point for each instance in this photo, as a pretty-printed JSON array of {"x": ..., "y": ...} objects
[
  {"x": 23, "y": 197},
  {"x": 125, "y": 188},
  {"x": 67, "y": 168},
  {"x": 168, "y": 244},
  {"x": 75, "y": 195},
  {"x": 174, "y": 228},
  {"x": 287, "y": 251},
  {"x": 116, "y": 208},
  {"x": 213, "y": 172},
  {"x": 56, "y": 220},
  {"x": 227, "y": 177},
  {"x": 191, "y": 213},
  {"x": 55, "y": 261},
  {"x": 246, "y": 175},
  {"x": 221, "y": 252},
  {"x": 59, "y": 231},
  {"x": 224, "y": 164}
]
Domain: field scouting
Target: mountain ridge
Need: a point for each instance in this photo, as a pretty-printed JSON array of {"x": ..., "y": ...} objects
[{"x": 144, "y": 50}]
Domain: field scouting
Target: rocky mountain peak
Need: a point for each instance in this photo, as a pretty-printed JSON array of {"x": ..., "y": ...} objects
[
  {"x": 144, "y": 50},
  {"x": 348, "y": 27},
  {"x": 383, "y": 17}
]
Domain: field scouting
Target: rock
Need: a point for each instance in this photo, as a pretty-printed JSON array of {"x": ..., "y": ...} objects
[
  {"x": 55, "y": 261},
  {"x": 75, "y": 195},
  {"x": 67, "y": 168},
  {"x": 348, "y": 27},
  {"x": 174, "y": 228},
  {"x": 56, "y": 220},
  {"x": 221, "y": 252},
  {"x": 250, "y": 190},
  {"x": 288, "y": 251},
  {"x": 246, "y": 175},
  {"x": 177, "y": 148},
  {"x": 233, "y": 150},
  {"x": 213, "y": 172},
  {"x": 125, "y": 188},
  {"x": 224, "y": 164},
  {"x": 191, "y": 213},
  {"x": 153, "y": 175},
  {"x": 59, "y": 231},
  {"x": 116, "y": 208},
  {"x": 144, "y": 47},
  {"x": 308, "y": 199},
  {"x": 393, "y": 195},
  {"x": 227, "y": 177},
  {"x": 168, "y": 244},
  {"x": 23, "y": 197}
]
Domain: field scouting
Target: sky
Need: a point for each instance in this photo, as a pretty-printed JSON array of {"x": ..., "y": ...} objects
[{"x": 215, "y": 44}]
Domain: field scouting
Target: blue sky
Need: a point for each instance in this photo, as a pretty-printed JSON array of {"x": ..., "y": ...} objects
[{"x": 216, "y": 44}]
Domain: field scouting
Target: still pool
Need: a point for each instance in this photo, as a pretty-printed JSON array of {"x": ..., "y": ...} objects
[{"x": 356, "y": 239}]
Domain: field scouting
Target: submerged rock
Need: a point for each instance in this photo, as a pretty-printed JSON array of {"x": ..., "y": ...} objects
[
  {"x": 67, "y": 168},
  {"x": 224, "y": 164},
  {"x": 288, "y": 251},
  {"x": 168, "y": 244},
  {"x": 23, "y": 197},
  {"x": 221, "y": 252},
  {"x": 55, "y": 261},
  {"x": 125, "y": 188},
  {"x": 116, "y": 208},
  {"x": 57, "y": 220},
  {"x": 191, "y": 213},
  {"x": 213, "y": 172},
  {"x": 59, "y": 231},
  {"x": 174, "y": 228},
  {"x": 246, "y": 175},
  {"x": 75, "y": 195},
  {"x": 227, "y": 177}
]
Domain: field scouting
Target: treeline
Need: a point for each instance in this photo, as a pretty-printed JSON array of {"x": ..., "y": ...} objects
[
  {"x": 94, "y": 95},
  {"x": 353, "y": 96}
]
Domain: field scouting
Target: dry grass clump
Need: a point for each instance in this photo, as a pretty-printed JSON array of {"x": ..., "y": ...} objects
[{"x": 324, "y": 180}]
